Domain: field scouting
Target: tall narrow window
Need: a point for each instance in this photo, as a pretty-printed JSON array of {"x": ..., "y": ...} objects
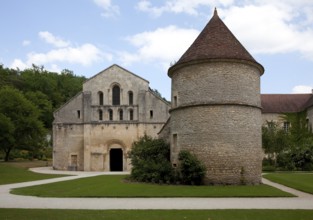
[
  {"x": 100, "y": 115},
  {"x": 286, "y": 126},
  {"x": 100, "y": 94},
  {"x": 110, "y": 114},
  {"x": 116, "y": 99},
  {"x": 78, "y": 113},
  {"x": 121, "y": 115},
  {"x": 131, "y": 115},
  {"x": 174, "y": 142},
  {"x": 151, "y": 114},
  {"x": 130, "y": 98},
  {"x": 175, "y": 101}
]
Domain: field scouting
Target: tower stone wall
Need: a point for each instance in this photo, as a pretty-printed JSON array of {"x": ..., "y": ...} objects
[
  {"x": 218, "y": 118},
  {"x": 216, "y": 107}
]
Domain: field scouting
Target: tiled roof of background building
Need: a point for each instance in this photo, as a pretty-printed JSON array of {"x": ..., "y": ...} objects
[{"x": 285, "y": 103}]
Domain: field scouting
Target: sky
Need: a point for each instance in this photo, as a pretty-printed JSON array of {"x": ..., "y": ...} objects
[{"x": 147, "y": 36}]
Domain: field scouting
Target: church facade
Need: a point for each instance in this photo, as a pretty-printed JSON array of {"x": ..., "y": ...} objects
[{"x": 94, "y": 131}]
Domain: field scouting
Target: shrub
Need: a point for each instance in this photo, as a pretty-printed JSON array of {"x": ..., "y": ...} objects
[
  {"x": 191, "y": 169},
  {"x": 151, "y": 161}
]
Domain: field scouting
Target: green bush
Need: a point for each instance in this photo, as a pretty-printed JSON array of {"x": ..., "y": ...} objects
[
  {"x": 191, "y": 169},
  {"x": 151, "y": 161}
]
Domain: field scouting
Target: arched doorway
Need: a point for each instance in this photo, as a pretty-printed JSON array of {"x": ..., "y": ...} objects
[{"x": 116, "y": 159}]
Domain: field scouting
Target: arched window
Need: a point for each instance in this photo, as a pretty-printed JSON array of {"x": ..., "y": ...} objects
[
  {"x": 121, "y": 115},
  {"x": 116, "y": 95},
  {"x": 131, "y": 115},
  {"x": 100, "y": 95},
  {"x": 110, "y": 114},
  {"x": 130, "y": 98},
  {"x": 100, "y": 115}
]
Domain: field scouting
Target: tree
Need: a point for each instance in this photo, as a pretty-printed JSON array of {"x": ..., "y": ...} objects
[
  {"x": 191, "y": 168},
  {"x": 44, "y": 106},
  {"x": 21, "y": 117},
  {"x": 6, "y": 135},
  {"x": 292, "y": 149},
  {"x": 274, "y": 140},
  {"x": 151, "y": 160}
]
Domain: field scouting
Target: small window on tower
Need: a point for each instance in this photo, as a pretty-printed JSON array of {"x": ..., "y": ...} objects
[
  {"x": 78, "y": 113},
  {"x": 175, "y": 101},
  {"x": 151, "y": 114}
]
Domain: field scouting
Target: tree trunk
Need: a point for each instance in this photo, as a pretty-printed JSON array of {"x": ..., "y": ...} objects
[{"x": 7, "y": 155}]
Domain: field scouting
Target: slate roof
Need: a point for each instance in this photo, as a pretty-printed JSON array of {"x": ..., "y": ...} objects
[
  {"x": 285, "y": 103},
  {"x": 216, "y": 41}
]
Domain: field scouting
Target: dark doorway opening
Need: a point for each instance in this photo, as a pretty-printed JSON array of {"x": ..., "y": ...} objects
[{"x": 116, "y": 160}]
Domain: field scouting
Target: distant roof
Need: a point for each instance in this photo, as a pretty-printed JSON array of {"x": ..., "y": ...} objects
[
  {"x": 216, "y": 41},
  {"x": 285, "y": 103}
]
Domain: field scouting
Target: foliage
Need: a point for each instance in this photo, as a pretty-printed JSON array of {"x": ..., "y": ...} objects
[
  {"x": 41, "y": 92},
  {"x": 298, "y": 180},
  {"x": 115, "y": 186},
  {"x": 21, "y": 117},
  {"x": 45, "y": 89},
  {"x": 289, "y": 150},
  {"x": 191, "y": 169},
  {"x": 151, "y": 160}
]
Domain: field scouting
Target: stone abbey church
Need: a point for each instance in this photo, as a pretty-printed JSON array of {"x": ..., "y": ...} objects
[{"x": 216, "y": 112}]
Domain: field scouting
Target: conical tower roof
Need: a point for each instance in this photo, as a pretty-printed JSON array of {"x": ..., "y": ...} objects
[{"x": 216, "y": 41}]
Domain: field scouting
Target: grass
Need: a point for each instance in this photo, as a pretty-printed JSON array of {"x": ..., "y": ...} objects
[
  {"x": 48, "y": 214},
  {"x": 115, "y": 186},
  {"x": 299, "y": 181},
  {"x": 16, "y": 172}
]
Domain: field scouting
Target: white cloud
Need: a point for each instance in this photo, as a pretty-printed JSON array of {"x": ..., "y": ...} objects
[
  {"x": 51, "y": 39},
  {"x": 109, "y": 9},
  {"x": 26, "y": 43},
  {"x": 18, "y": 64},
  {"x": 302, "y": 89},
  {"x": 263, "y": 26},
  {"x": 190, "y": 7},
  {"x": 85, "y": 54},
  {"x": 163, "y": 45}
]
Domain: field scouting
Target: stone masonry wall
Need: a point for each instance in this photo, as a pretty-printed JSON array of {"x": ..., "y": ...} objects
[
  {"x": 230, "y": 146},
  {"x": 217, "y": 116}
]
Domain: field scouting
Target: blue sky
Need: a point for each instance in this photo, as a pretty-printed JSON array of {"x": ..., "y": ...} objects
[{"x": 146, "y": 36}]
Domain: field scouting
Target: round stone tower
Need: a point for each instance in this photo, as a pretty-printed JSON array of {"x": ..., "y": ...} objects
[{"x": 216, "y": 107}]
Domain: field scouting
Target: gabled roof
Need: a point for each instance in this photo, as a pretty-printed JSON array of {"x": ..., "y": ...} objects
[
  {"x": 216, "y": 41},
  {"x": 115, "y": 65},
  {"x": 310, "y": 102},
  {"x": 285, "y": 103}
]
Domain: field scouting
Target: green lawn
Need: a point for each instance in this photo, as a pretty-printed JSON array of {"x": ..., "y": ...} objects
[
  {"x": 300, "y": 181},
  {"x": 48, "y": 214},
  {"x": 115, "y": 186},
  {"x": 16, "y": 172}
]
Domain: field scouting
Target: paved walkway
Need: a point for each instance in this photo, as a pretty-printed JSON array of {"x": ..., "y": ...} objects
[{"x": 7, "y": 200}]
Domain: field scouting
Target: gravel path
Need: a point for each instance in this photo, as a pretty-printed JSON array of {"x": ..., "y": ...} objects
[{"x": 7, "y": 200}]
